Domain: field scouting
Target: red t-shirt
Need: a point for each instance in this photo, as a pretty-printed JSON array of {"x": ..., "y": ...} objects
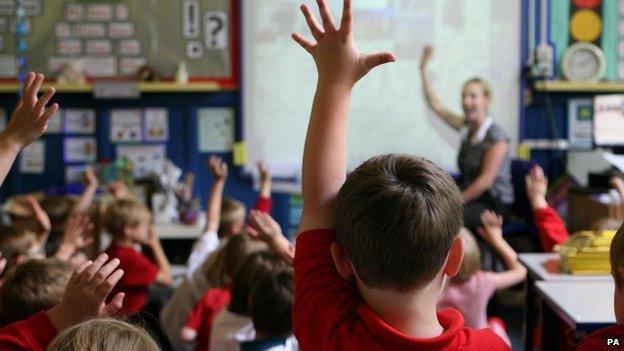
[
  {"x": 329, "y": 314},
  {"x": 603, "y": 339},
  {"x": 139, "y": 274},
  {"x": 552, "y": 230},
  {"x": 203, "y": 314},
  {"x": 33, "y": 334},
  {"x": 263, "y": 204}
]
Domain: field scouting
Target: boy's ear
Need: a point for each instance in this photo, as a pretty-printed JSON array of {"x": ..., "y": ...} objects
[
  {"x": 127, "y": 231},
  {"x": 20, "y": 259},
  {"x": 342, "y": 261},
  {"x": 455, "y": 257}
]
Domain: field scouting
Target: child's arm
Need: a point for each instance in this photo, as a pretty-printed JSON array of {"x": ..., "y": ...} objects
[
  {"x": 28, "y": 122},
  {"x": 86, "y": 199},
  {"x": 75, "y": 237},
  {"x": 432, "y": 99},
  {"x": 492, "y": 233},
  {"x": 45, "y": 226},
  {"x": 219, "y": 171},
  {"x": 340, "y": 65},
  {"x": 164, "y": 268},
  {"x": 264, "y": 196},
  {"x": 552, "y": 230},
  {"x": 194, "y": 320},
  {"x": 270, "y": 232}
]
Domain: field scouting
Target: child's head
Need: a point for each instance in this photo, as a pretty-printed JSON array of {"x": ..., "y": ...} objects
[
  {"x": 104, "y": 334},
  {"x": 232, "y": 218},
  {"x": 58, "y": 208},
  {"x": 221, "y": 266},
  {"x": 398, "y": 217},
  {"x": 17, "y": 244},
  {"x": 271, "y": 303},
  {"x": 33, "y": 286},
  {"x": 472, "y": 257},
  {"x": 128, "y": 219},
  {"x": 616, "y": 256},
  {"x": 255, "y": 266}
]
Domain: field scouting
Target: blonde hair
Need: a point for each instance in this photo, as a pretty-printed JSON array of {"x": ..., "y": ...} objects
[
  {"x": 104, "y": 334},
  {"x": 485, "y": 86},
  {"x": 232, "y": 211},
  {"x": 472, "y": 257},
  {"x": 616, "y": 255},
  {"x": 125, "y": 213},
  {"x": 16, "y": 241}
]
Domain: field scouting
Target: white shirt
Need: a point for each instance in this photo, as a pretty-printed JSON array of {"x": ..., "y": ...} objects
[
  {"x": 479, "y": 136},
  {"x": 229, "y": 330}
]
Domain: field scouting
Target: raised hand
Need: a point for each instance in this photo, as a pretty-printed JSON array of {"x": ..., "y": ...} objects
[
  {"x": 492, "y": 229},
  {"x": 536, "y": 187},
  {"x": 217, "y": 167},
  {"x": 269, "y": 230},
  {"x": 426, "y": 57},
  {"x": 75, "y": 236},
  {"x": 337, "y": 58}
]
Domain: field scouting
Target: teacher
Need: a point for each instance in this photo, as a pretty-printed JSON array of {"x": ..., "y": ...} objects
[{"x": 483, "y": 158}]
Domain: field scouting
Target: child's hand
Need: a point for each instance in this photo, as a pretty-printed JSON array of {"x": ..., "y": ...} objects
[
  {"x": 119, "y": 190},
  {"x": 91, "y": 177},
  {"x": 3, "y": 264},
  {"x": 492, "y": 229},
  {"x": 617, "y": 183},
  {"x": 265, "y": 174},
  {"x": 338, "y": 60},
  {"x": 426, "y": 57},
  {"x": 76, "y": 235},
  {"x": 536, "y": 187},
  {"x": 217, "y": 167},
  {"x": 269, "y": 230},
  {"x": 30, "y": 118},
  {"x": 86, "y": 293},
  {"x": 42, "y": 217}
]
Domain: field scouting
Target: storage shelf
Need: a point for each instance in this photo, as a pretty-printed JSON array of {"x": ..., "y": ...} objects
[
  {"x": 562, "y": 86},
  {"x": 145, "y": 87}
]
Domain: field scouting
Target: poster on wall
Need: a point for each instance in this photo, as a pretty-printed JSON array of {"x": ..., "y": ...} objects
[
  {"x": 215, "y": 129},
  {"x": 79, "y": 149},
  {"x": 145, "y": 158},
  {"x": 580, "y": 114},
  {"x": 55, "y": 124},
  {"x": 125, "y": 125},
  {"x": 156, "y": 124},
  {"x": 74, "y": 173},
  {"x": 32, "y": 158},
  {"x": 79, "y": 121}
]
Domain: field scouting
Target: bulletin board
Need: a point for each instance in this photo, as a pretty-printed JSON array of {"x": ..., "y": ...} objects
[{"x": 113, "y": 38}]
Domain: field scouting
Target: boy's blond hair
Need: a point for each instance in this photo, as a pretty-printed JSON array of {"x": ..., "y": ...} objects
[
  {"x": 472, "y": 257},
  {"x": 31, "y": 287},
  {"x": 616, "y": 256},
  {"x": 232, "y": 211},
  {"x": 16, "y": 241},
  {"x": 104, "y": 334},
  {"x": 125, "y": 213}
]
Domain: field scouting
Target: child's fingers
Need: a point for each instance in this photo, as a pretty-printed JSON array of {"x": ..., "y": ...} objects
[
  {"x": 373, "y": 60},
  {"x": 49, "y": 112},
  {"x": 89, "y": 273},
  {"x": 107, "y": 285},
  {"x": 307, "y": 45},
  {"x": 31, "y": 94},
  {"x": 315, "y": 28},
  {"x": 74, "y": 279},
  {"x": 44, "y": 99},
  {"x": 114, "y": 306},
  {"x": 328, "y": 21},
  {"x": 346, "y": 24},
  {"x": 30, "y": 78},
  {"x": 104, "y": 272}
]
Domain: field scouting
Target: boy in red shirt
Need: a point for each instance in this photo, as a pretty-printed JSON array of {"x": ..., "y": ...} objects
[
  {"x": 130, "y": 224},
  {"x": 375, "y": 247}
]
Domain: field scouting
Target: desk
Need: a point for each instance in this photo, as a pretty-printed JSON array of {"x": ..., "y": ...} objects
[
  {"x": 543, "y": 267},
  {"x": 178, "y": 231},
  {"x": 584, "y": 306}
]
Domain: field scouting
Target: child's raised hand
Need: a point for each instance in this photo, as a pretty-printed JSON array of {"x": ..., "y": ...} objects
[
  {"x": 86, "y": 292},
  {"x": 536, "y": 187},
  {"x": 426, "y": 57},
  {"x": 217, "y": 167},
  {"x": 269, "y": 230},
  {"x": 30, "y": 118},
  {"x": 91, "y": 177},
  {"x": 42, "y": 217},
  {"x": 338, "y": 60},
  {"x": 492, "y": 228},
  {"x": 119, "y": 190},
  {"x": 265, "y": 174},
  {"x": 76, "y": 233}
]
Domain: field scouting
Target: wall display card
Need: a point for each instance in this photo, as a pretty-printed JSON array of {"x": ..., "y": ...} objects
[
  {"x": 100, "y": 12},
  {"x": 156, "y": 124},
  {"x": 32, "y": 158},
  {"x": 57, "y": 63},
  {"x": 580, "y": 112},
  {"x": 99, "y": 66},
  {"x": 129, "y": 47},
  {"x": 121, "y": 12},
  {"x": 609, "y": 120},
  {"x": 121, "y": 30},
  {"x": 69, "y": 47},
  {"x": 125, "y": 125},
  {"x": 194, "y": 49},
  {"x": 75, "y": 173},
  {"x": 216, "y": 30},
  {"x": 8, "y": 66},
  {"x": 55, "y": 124},
  {"x": 32, "y": 7},
  {"x": 7, "y": 7},
  {"x": 216, "y": 129},
  {"x": 90, "y": 30},
  {"x": 131, "y": 65},
  {"x": 79, "y": 121},
  {"x": 4, "y": 25},
  {"x": 145, "y": 158},
  {"x": 62, "y": 30},
  {"x": 79, "y": 149},
  {"x": 191, "y": 19},
  {"x": 3, "y": 119},
  {"x": 99, "y": 47},
  {"x": 74, "y": 12}
]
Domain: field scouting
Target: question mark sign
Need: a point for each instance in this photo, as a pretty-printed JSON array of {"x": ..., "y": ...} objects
[{"x": 219, "y": 25}]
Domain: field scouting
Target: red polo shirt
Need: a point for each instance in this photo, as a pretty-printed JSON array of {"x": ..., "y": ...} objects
[
  {"x": 33, "y": 334},
  {"x": 329, "y": 314}
]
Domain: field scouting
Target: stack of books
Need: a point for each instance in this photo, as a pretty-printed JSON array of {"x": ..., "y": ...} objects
[{"x": 586, "y": 252}]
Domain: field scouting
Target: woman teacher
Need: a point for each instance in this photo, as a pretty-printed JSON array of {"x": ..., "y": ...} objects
[{"x": 483, "y": 158}]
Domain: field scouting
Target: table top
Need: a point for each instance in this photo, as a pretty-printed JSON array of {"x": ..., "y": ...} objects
[
  {"x": 178, "y": 231},
  {"x": 584, "y": 305},
  {"x": 543, "y": 266}
]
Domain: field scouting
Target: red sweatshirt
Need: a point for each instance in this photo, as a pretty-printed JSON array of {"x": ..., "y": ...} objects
[
  {"x": 32, "y": 334},
  {"x": 552, "y": 230}
]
